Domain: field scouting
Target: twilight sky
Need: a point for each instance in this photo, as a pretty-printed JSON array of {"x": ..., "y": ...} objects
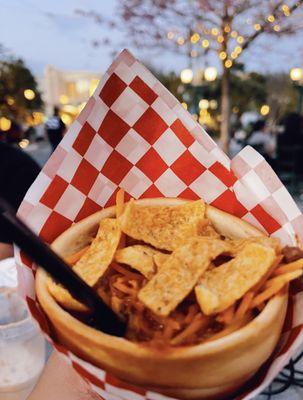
[{"x": 65, "y": 41}]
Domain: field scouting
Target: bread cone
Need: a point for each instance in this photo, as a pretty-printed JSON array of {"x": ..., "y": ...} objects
[{"x": 203, "y": 371}]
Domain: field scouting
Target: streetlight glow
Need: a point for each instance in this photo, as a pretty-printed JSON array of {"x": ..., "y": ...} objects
[
  {"x": 186, "y": 75},
  {"x": 210, "y": 74},
  {"x": 264, "y": 110},
  {"x": 203, "y": 104},
  {"x": 296, "y": 74},
  {"x": 63, "y": 99},
  {"x": 5, "y": 124},
  {"x": 29, "y": 94}
]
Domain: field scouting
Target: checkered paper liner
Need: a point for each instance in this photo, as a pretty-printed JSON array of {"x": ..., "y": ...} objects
[{"x": 134, "y": 134}]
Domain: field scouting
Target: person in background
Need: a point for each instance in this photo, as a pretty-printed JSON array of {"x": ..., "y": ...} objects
[
  {"x": 262, "y": 141},
  {"x": 17, "y": 172},
  {"x": 55, "y": 128},
  {"x": 293, "y": 131},
  {"x": 237, "y": 142}
]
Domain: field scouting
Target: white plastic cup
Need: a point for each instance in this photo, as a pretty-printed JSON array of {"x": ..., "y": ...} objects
[{"x": 22, "y": 348}]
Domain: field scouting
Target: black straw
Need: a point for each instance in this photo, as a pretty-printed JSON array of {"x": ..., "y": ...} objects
[{"x": 104, "y": 318}]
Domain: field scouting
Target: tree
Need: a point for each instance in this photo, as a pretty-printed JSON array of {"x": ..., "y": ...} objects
[
  {"x": 19, "y": 95},
  {"x": 226, "y": 28}
]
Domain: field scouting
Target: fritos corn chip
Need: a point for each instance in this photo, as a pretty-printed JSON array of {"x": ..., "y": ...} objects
[
  {"x": 179, "y": 274},
  {"x": 220, "y": 287},
  {"x": 101, "y": 252},
  {"x": 139, "y": 257},
  {"x": 63, "y": 297},
  {"x": 164, "y": 227}
]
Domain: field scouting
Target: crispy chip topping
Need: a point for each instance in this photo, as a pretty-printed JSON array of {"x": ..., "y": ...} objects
[
  {"x": 101, "y": 252},
  {"x": 139, "y": 257},
  {"x": 222, "y": 286},
  {"x": 164, "y": 227},
  {"x": 63, "y": 297},
  {"x": 179, "y": 274}
]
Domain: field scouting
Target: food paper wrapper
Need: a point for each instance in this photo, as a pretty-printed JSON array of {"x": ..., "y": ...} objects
[{"x": 134, "y": 134}]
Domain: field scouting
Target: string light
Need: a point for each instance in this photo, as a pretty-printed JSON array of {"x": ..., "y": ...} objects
[
  {"x": 238, "y": 49},
  {"x": 205, "y": 43},
  {"x": 271, "y": 18},
  {"x": 29, "y": 94},
  {"x": 195, "y": 38},
  {"x": 10, "y": 100},
  {"x": 277, "y": 28},
  {"x": 184, "y": 105},
  {"x": 214, "y": 31},
  {"x": 5, "y": 124},
  {"x": 234, "y": 34},
  {"x": 228, "y": 63},
  {"x": 285, "y": 7},
  {"x": 222, "y": 55},
  {"x": 180, "y": 40},
  {"x": 170, "y": 35},
  {"x": 257, "y": 27},
  {"x": 227, "y": 29},
  {"x": 193, "y": 53},
  {"x": 220, "y": 39},
  {"x": 234, "y": 55},
  {"x": 286, "y": 10},
  {"x": 240, "y": 39}
]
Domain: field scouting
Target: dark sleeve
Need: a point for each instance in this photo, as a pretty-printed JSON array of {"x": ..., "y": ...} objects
[
  {"x": 18, "y": 173},
  {"x": 62, "y": 125}
]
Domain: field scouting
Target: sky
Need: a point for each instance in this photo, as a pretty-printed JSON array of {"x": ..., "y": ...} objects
[{"x": 65, "y": 41}]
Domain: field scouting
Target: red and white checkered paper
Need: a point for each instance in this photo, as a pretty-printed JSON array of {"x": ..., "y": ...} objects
[{"x": 134, "y": 134}]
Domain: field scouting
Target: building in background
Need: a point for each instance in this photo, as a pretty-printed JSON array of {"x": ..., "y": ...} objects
[{"x": 69, "y": 90}]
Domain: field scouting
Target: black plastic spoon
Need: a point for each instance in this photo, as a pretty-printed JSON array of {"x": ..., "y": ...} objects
[{"x": 104, "y": 318}]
